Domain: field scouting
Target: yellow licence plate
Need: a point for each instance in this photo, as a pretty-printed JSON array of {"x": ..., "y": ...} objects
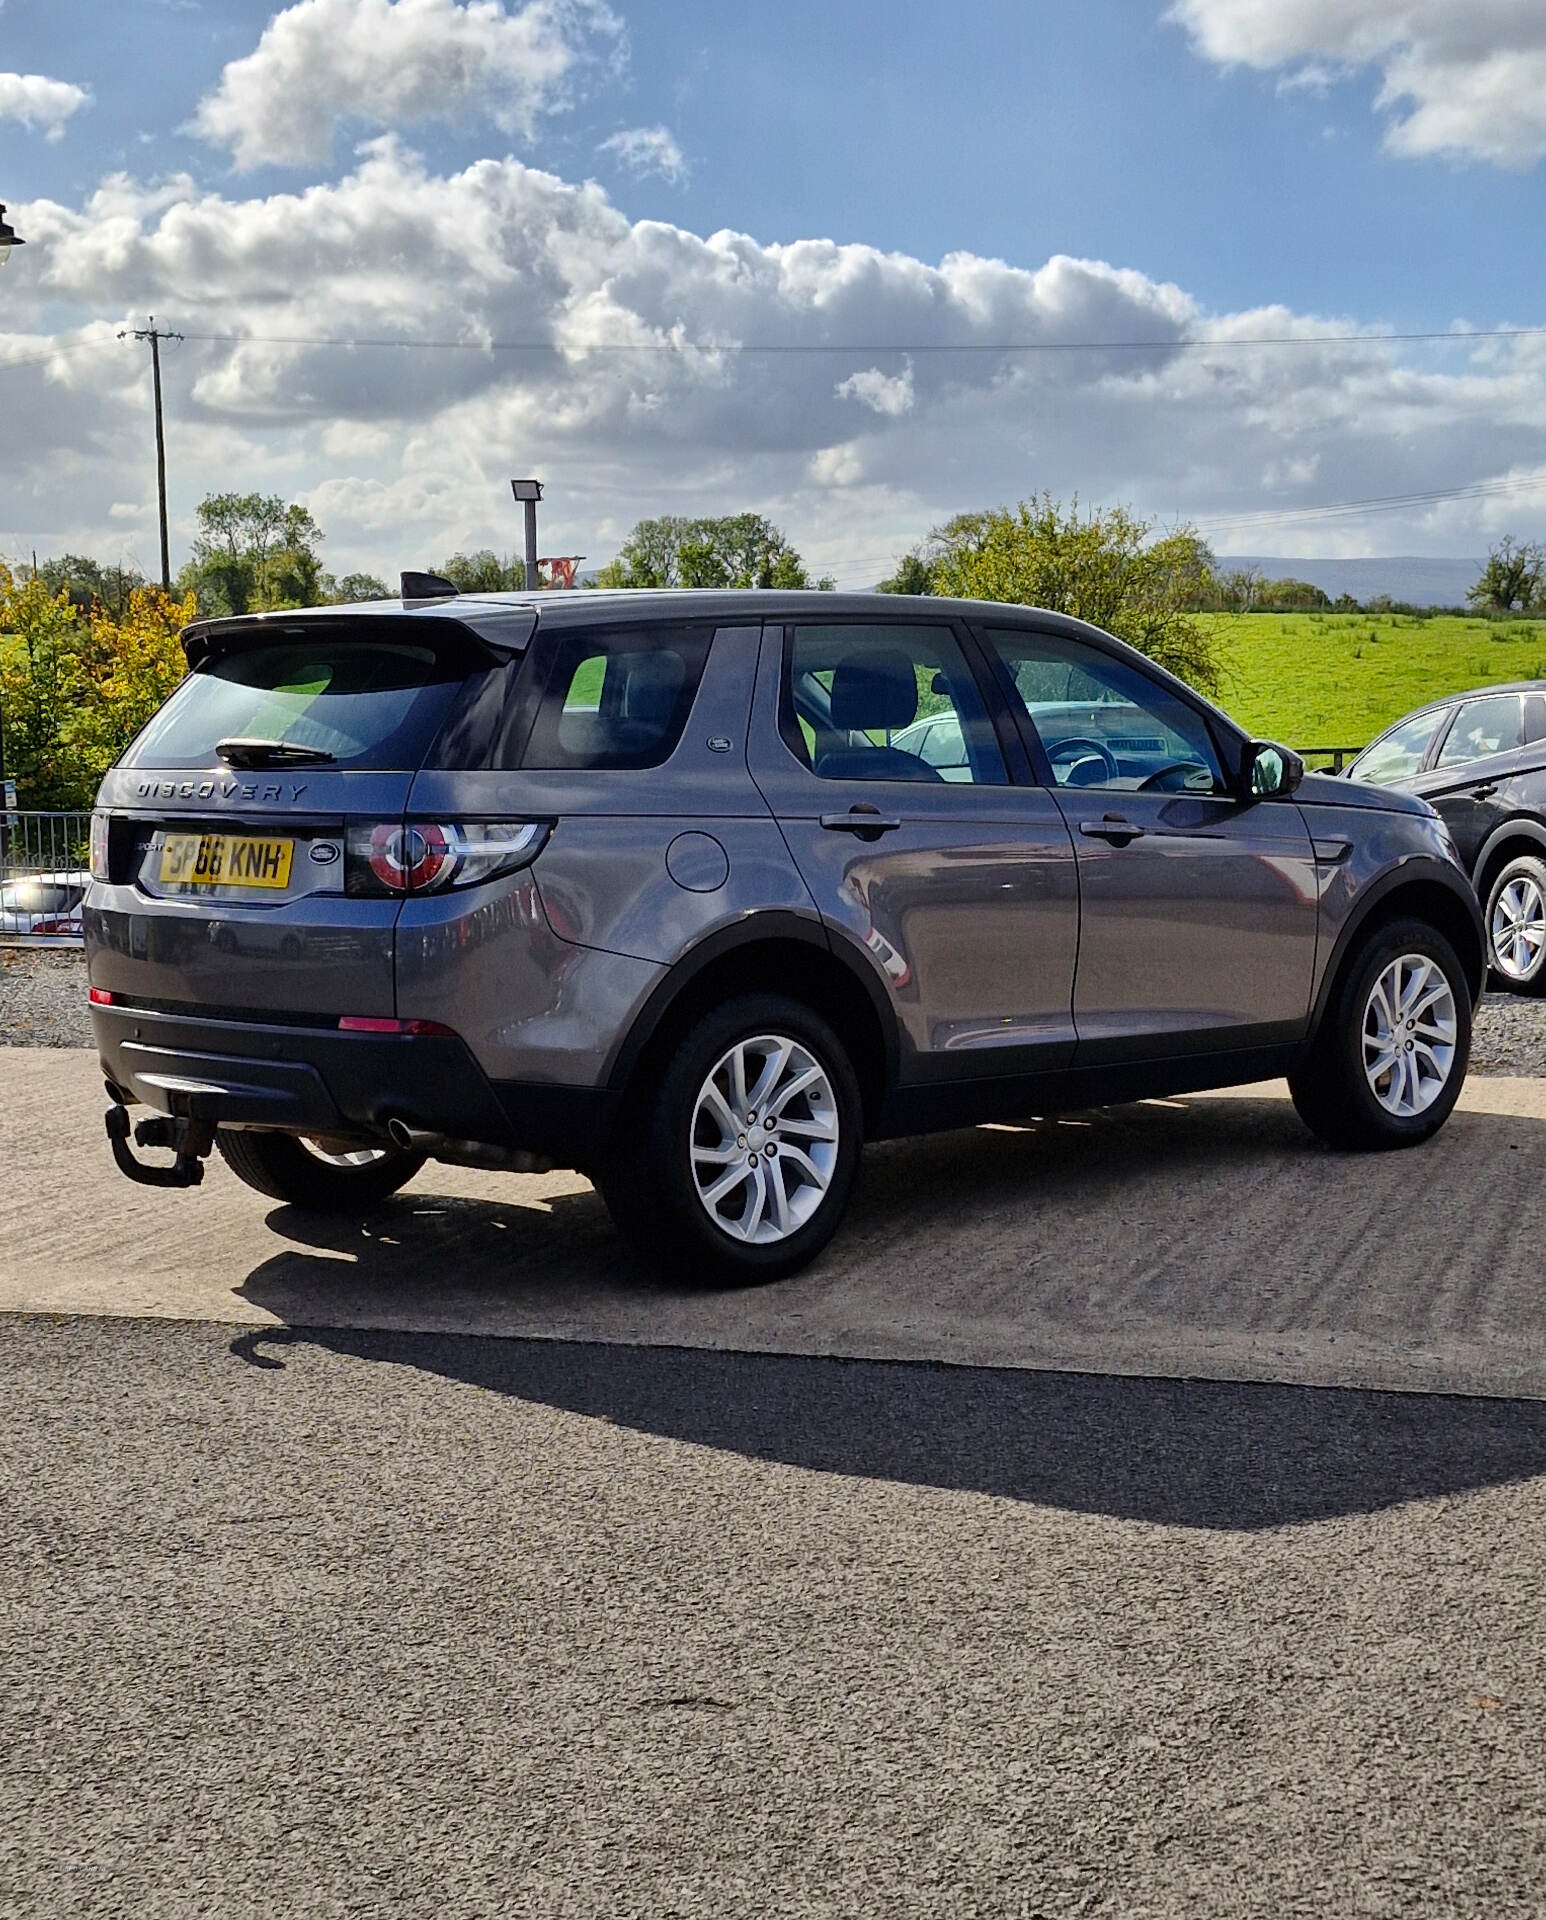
[{"x": 224, "y": 860}]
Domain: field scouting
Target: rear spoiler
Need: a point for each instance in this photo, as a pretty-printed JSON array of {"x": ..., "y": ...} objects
[{"x": 496, "y": 632}]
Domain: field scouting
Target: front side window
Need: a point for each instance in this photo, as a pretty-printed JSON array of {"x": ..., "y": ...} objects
[
  {"x": 616, "y": 699},
  {"x": 1490, "y": 725},
  {"x": 887, "y": 702},
  {"x": 1103, "y": 722},
  {"x": 1399, "y": 753}
]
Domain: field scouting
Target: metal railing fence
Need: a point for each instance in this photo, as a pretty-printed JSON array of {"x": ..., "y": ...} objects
[
  {"x": 43, "y": 843},
  {"x": 1338, "y": 756},
  {"x": 35, "y": 844}
]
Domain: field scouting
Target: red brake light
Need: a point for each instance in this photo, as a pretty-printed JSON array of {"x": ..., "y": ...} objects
[
  {"x": 407, "y": 858},
  {"x": 100, "y": 997},
  {"x": 366, "y": 1023}
]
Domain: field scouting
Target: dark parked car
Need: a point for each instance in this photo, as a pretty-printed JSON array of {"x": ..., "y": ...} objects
[
  {"x": 1480, "y": 760},
  {"x": 655, "y": 885}
]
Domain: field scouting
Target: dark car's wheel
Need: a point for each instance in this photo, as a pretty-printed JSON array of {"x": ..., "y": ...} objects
[
  {"x": 1387, "y": 1065},
  {"x": 1516, "y": 925},
  {"x": 328, "y": 1177},
  {"x": 737, "y": 1165}
]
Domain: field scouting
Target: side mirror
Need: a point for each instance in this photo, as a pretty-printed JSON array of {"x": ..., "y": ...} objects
[{"x": 1271, "y": 772}]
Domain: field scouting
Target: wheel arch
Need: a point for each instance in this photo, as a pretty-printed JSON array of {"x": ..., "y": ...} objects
[
  {"x": 1433, "y": 893},
  {"x": 1505, "y": 843},
  {"x": 775, "y": 953}
]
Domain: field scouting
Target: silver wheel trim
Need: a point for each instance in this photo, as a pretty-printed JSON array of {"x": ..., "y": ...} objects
[
  {"x": 1409, "y": 1034},
  {"x": 354, "y": 1157},
  {"x": 1518, "y": 928},
  {"x": 764, "y": 1139}
]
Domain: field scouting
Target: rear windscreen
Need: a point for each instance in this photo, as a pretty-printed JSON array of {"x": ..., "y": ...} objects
[{"x": 366, "y": 703}]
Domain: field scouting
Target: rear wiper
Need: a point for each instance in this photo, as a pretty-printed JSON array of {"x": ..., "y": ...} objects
[{"x": 271, "y": 753}]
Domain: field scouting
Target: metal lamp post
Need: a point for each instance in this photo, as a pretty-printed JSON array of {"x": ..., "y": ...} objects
[{"x": 529, "y": 492}]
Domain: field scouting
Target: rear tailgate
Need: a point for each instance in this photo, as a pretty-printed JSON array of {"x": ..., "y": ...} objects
[
  {"x": 230, "y": 887},
  {"x": 302, "y": 948}
]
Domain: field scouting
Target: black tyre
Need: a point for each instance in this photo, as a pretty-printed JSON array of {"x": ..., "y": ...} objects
[
  {"x": 1516, "y": 926},
  {"x": 737, "y": 1164},
  {"x": 327, "y": 1177},
  {"x": 1389, "y": 1060}
]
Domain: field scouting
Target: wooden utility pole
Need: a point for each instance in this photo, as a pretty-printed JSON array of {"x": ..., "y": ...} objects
[{"x": 155, "y": 335}]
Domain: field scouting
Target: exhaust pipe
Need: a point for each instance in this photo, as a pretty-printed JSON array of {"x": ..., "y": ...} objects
[{"x": 465, "y": 1153}]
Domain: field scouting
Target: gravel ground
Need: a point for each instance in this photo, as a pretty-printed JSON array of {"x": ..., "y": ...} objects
[
  {"x": 329, "y": 1623},
  {"x": 43, "y": 998},
  {"x": 43, "y": 1004}
]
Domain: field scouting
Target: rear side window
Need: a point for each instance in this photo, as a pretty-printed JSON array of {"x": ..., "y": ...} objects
[
  {"x": 1490, "y": 725},
  {"x": 616, "y": 699},
  {"x": 368, "y": 704}
]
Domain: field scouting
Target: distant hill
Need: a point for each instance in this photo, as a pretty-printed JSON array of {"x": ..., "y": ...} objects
[{"x": 1420, "y": 582}]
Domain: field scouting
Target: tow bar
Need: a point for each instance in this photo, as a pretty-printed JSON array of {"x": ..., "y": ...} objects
[{"x": 189, "y": 1132}]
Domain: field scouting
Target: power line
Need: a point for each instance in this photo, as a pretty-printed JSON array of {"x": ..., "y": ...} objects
[
  {"x": 802, "y": 348},
  {"x": 816, "y": 349},
  {"x": 1386, "y": 503},
  {"x": 47, "y": 359}
]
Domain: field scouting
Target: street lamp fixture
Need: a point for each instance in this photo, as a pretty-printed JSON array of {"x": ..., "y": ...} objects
[{"x": 9, "y": 237}]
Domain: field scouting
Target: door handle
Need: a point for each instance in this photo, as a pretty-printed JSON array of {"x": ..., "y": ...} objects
[
  {"x": 866, "y": 821},
  {"x": 1113, "y": 828},
  {"x": 1485, "y": 791}
]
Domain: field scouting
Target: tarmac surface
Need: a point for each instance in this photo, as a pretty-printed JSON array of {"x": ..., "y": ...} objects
[{"x": 1142, "y": 1515}]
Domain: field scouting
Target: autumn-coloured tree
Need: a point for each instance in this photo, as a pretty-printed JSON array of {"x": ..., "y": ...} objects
[
  {"x": 133, "y": 664},
  {"x": 42, "y": 686},
  {"x": 75, "y": 687}
]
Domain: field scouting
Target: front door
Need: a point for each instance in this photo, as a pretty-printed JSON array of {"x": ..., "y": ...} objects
[
  {"x": 1198, "y": 909},
  {"x": 1469, "y": 783},
  {"x": 873, "y": 745}
]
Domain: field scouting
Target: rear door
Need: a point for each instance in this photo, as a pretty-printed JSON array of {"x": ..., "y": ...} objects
[
  {"x": 1198, "y": 909},
  {"x": 232, "y": 885},
  {"x": 954, "y": 881}
]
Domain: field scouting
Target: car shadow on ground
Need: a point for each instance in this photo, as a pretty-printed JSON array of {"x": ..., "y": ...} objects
[
  {"x": 1200, "y": 1215},
  {"x": 1204, "y": 1454},
  {"x": 912, "y": 1194}
]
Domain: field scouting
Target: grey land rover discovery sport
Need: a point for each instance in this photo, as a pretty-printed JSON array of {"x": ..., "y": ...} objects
[{"x": 697, "y": 892}]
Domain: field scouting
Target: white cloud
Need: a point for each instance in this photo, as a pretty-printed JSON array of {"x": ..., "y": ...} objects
[
  {"x": 394, "y": 64},
  {"x": 1467, "y": 80},
  {"x": 646, "y": 150},
  {"x": 688, "y": 373},
  {"x": 37, "y": 101},
  {"x": 884, "y": 393}
]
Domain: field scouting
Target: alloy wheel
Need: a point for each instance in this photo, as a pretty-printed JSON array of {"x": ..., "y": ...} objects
[
  {"x": 764, "y": 1139},
  {"x": 1410, "y": 1030},
  {"x": 1518, "y": 928},
  {"x": 349, "y": 1157}
]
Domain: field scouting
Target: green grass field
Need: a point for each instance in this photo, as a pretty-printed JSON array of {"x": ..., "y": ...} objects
[{"x": 1338, "y": 679}]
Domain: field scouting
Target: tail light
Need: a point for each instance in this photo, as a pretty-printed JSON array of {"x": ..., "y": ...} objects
[
  {"x": 99, "y": 866},
  {"x": 433, "y": 856}
]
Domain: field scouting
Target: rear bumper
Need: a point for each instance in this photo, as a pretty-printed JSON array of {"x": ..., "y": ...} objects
[{"x": 315, "y": 1080}]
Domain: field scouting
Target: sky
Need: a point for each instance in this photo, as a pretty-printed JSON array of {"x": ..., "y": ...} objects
[{"x": 854, "y": 266}]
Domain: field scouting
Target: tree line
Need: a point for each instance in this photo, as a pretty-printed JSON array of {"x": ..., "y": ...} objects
[{"x": 88, "y": 652}]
